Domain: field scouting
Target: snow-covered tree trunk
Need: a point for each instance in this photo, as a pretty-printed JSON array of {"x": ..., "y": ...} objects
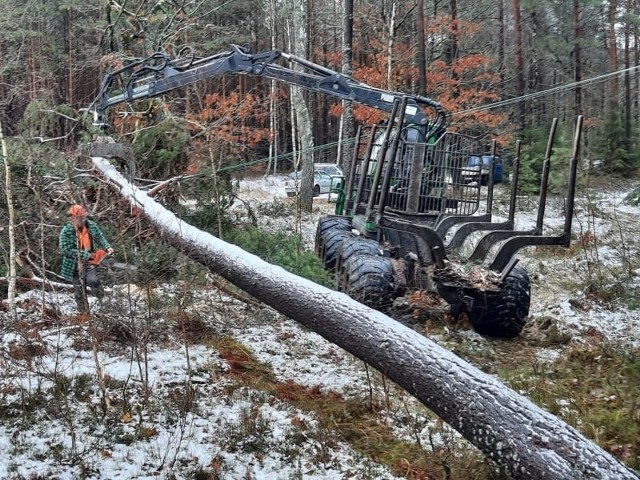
[{"x": 527, "y": 441}]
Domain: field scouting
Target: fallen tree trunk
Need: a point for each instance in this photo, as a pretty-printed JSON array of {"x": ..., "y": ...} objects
[{"x": 525, "y": 440}]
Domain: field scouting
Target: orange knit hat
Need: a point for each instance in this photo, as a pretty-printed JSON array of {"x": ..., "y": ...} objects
[{"x": 77, "y": 211}]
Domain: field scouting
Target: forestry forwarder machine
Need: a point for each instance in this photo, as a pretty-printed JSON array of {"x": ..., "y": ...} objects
[{"x": 409, "y": 185}]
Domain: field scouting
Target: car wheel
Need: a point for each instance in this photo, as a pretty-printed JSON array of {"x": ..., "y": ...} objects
[
  {"x": 316, "y": 190},
  {"x": 506, "y": 316}
]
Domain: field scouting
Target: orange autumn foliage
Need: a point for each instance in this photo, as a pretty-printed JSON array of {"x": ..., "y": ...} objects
[{"x": 462, "y": 84}]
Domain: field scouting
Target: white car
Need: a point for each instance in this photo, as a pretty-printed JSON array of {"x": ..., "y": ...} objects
[{"x": 327, "y": 177}]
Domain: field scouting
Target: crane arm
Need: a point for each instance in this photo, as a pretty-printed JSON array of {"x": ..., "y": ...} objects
[{"x": 159, "y": 74}]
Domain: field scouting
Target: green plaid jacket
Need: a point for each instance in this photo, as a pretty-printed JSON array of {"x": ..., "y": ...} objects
[{"x": 68, "y": 242}]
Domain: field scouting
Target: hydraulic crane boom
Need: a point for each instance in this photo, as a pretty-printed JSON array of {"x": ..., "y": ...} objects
[{"x": 159, "y": 74}]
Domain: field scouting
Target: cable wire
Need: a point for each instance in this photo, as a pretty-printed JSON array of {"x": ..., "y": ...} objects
[{"x": 549, "y": 91}]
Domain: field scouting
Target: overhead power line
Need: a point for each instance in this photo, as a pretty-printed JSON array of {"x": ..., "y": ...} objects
[{"x": 550, "y": 91}]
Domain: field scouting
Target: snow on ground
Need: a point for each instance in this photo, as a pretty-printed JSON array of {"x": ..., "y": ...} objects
[
  {"x": 271, "y": 189},
  {"x": 238, "y": 432},
  {"x": 611, "y": 229},
  {"x": 138, "y": 427}
]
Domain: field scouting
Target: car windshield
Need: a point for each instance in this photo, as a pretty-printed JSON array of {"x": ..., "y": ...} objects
[
  {"x": 474, "y": 161},
  {"x": 316, "y": 174},
  {"x": 328, "y": 169}
]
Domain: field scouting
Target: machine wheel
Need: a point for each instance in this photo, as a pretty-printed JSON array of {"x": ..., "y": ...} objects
[
  {"x": 354, "y": 246},
  {"x": 369, "y": 279},
  {"x": 316, "y": 190},
  {"x": 506, "y": 316},
  {"x": 331, "y": 245},
  {"x": 328, "y": 223}
]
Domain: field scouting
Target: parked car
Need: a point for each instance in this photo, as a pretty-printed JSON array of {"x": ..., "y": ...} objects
[
  {"x": 478, "y": 168},
  {"x": 330, "y": 168},
  {"x": 326, "y": 177}
]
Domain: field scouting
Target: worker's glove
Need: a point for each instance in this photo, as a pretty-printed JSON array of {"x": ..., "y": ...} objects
[
  {"x": 109, "y": 251},
  {"x": 97, "y": 257}
]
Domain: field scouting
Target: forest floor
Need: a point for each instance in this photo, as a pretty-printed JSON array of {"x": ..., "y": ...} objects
[{"x": 175, "y": 383}]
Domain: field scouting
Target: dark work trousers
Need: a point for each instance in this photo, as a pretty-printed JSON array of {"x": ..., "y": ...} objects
[{"x": 89, "y": 277}]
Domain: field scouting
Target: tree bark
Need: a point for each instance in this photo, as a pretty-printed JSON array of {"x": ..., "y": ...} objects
[
  {"x": 525, "y": 440},
  {"x": 501, "y": 40},
  {"x": 299, "y": 105},
  {"x": 628, "y": 140},
  {"x": 273, "y": 105},
  {"x": 391, "y": 32},
  {"x": 451, "y": 49},
  {"x": 517, "y": 32},
  {"x": 421, "y": 55},
  {"x": 11, "y": 293},
  {"x": 613, "y": 50},
  {"x": 577, "y": 57},
  {"x": 347, "y": 124}
]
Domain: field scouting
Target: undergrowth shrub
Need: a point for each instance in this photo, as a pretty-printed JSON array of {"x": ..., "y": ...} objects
[
  {"x": 633, "y": 197},
  {"x": 156, "y": 262},
  {"x": 161, "y": 150},
  {"x": 283, "y": 249},
  {"x": 276, "y": 209},
  {"x": 209, "y": 218}
]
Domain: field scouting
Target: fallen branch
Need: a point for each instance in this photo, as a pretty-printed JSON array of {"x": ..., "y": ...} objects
[
  {"x": 34, "y": 281},
  {"x": 525, "y": 440},
  {"x": 33, "y": 267},
  {"x": 219, "y": 284}
]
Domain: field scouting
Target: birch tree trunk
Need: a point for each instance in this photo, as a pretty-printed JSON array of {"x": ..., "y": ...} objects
[
  {"x": 391, "y": 30},
  {"x": 299, "y": 105},
  {"x": 11, "y": 294},
  {"x": 528, "y": 442},
  {"x": 273, "y": 118}
]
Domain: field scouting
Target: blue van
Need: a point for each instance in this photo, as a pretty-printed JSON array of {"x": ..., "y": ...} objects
[{"x": 477, "y": 168}]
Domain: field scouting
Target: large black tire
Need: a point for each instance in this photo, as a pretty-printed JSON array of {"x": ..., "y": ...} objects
[
  {"x": 370, "y": 279},
  {"x": 356, "y": 245},
  {"x": 331, "y": 246},
  {"x": 329, "y": 223},
  {"x": 506, "y": 316}
]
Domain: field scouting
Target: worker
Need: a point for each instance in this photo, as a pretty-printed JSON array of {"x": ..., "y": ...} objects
[{"x": 83, "y": 246}]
